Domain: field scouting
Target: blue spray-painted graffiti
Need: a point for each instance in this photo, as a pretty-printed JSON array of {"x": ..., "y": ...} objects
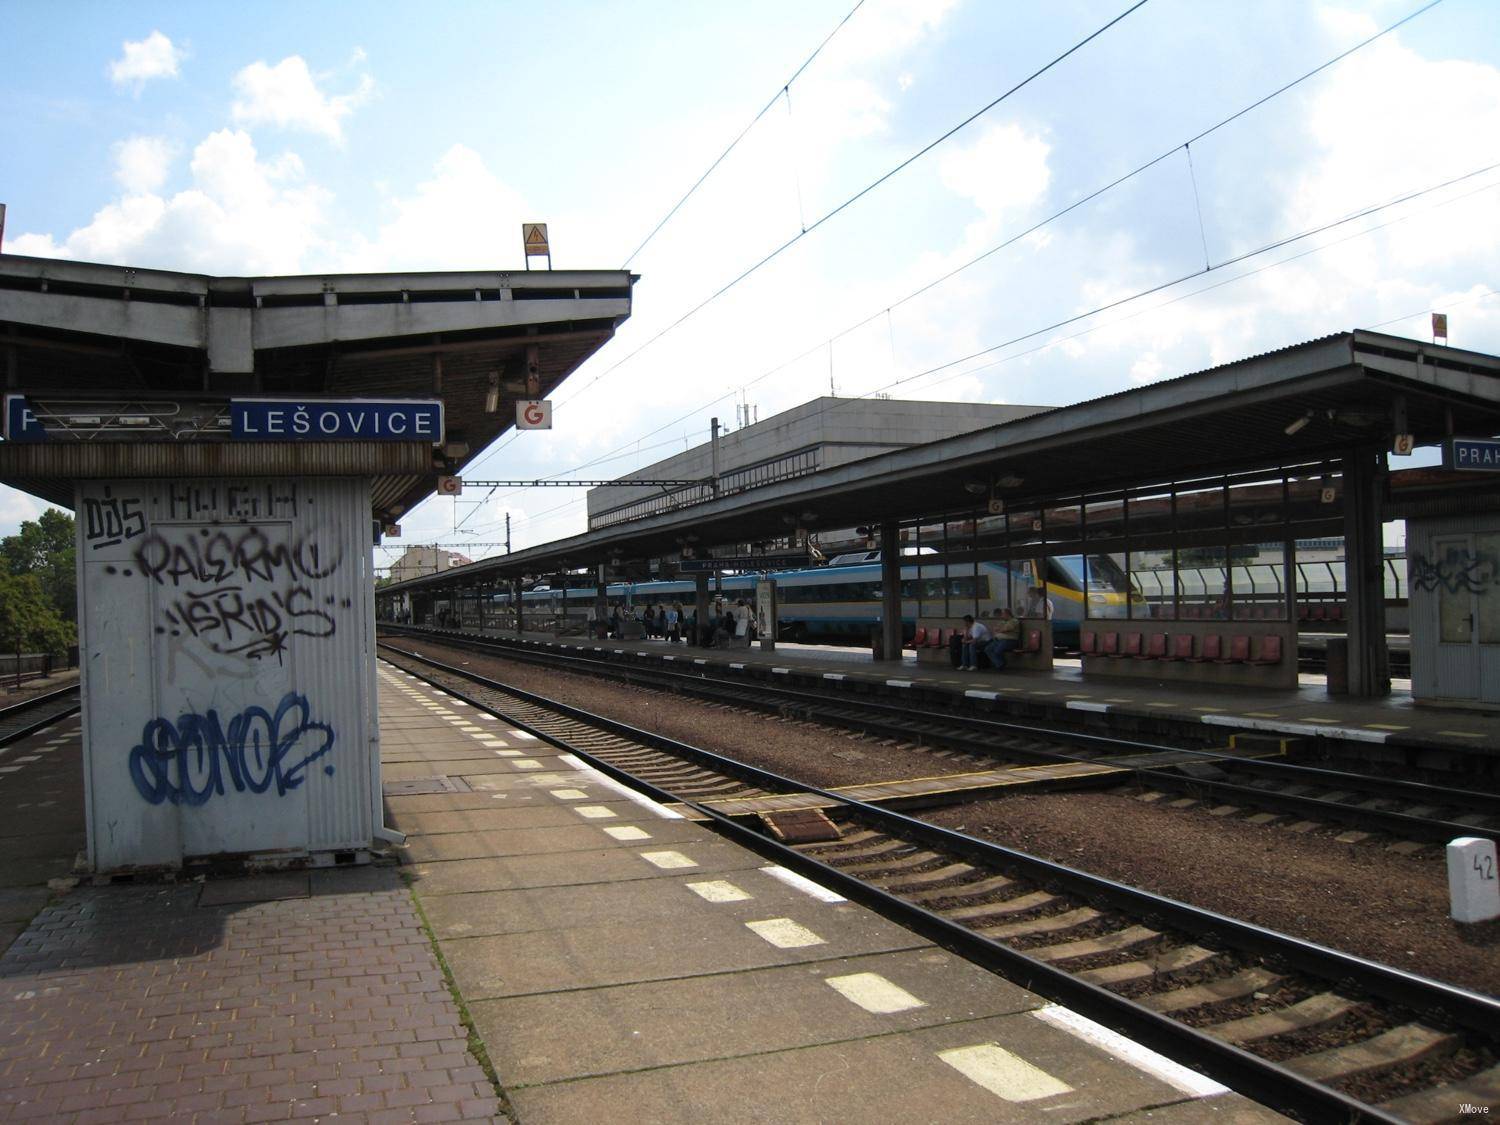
[{"x": 185, "y": 762}]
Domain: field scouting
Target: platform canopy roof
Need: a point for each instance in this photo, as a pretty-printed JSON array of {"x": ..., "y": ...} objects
[
  {"x": 1310, "y": 402},
  {"x": 113, "y": 342}
]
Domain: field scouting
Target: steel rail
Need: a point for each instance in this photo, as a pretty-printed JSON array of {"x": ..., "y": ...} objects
[
  {"x": 1397, "y": 823},
  {"x": 17, "y": 710},
  {"x": 1237, "y": 1068}
]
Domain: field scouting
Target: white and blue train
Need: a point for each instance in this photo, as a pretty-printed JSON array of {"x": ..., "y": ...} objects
[{"x": 841, "y": 601}]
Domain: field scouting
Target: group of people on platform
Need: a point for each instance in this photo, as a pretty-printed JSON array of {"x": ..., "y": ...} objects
[
  {"x": 992, "y": 640},
  {"x": 723, "y": 626},
  {"x": 666, "y": 623}
]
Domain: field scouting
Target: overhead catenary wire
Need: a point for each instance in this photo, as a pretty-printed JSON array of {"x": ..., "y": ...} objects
[
  {"x": 1290, "y": 258},
  {"x": 709, "y": 171},
  {"x": 888, "y": 309},
  {"x": 895, "y": 170},
  {"x": 1197, "y": 273},
  {"x": 1083, "y": 200},
  {"x": 1146, "y": 292}
]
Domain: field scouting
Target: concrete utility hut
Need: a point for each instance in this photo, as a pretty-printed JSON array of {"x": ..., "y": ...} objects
[
  {"x": 1289, "y": 445},
  {"x": 228, "y": 444}
]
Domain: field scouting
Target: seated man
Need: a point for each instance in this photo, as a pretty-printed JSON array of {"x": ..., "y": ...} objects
[
  {"x": 976, "y": 633},
  {"x": 1007, "y": 635}
]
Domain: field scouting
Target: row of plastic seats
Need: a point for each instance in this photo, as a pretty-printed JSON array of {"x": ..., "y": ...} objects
[
  {"x": 1320, "y": 611},
  {"x": 1179, "y": 646},
  {"x": 1251, "y": 611}
]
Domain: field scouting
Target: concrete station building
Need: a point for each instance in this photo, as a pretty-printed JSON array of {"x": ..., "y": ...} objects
[
  {"x": 230, "y": 446},
  {"x": 821, "y": 434}
]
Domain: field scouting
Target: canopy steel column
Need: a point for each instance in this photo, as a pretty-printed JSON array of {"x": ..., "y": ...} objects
[
  {"x": 515, "y": 600},
  {"x": 890, "y": 591},
  {"x": 1364, "y": 572},
  {"x": 601, "y": 601},
  {"x": 700, "y": 592}
]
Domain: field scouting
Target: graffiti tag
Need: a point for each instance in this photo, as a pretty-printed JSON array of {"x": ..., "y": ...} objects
[
  {"x": 1456, "y": 571},
  {"x": 214, "y": 558},
  {"x": 188, "y": 761},
  {"x": 112, "y": 519},
  {"x": 234, "y": 623}
]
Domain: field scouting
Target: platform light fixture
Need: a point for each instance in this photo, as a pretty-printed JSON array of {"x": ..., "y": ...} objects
[
  {"x": 492, "y": 395},
  {"x": 1297, "y": 424}
]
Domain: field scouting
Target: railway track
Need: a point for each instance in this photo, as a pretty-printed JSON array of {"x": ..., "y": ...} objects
[
  {"x": 1273, "y": 790},
  {"x": 31, "y": 715},
  {"x": 1306, "y": 1029}
]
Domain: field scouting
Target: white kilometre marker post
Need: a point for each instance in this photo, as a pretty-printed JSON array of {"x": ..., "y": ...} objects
[{"x": 1473, "y": 880}]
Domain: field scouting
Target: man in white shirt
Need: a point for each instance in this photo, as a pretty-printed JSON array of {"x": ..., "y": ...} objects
[{"x": 975, "y": 633}]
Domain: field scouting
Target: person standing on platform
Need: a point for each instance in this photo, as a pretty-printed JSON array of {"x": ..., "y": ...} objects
[
  {"x": 648, "y": 623},
  {"x": 1038, "y": 605},
  {"x": 1006, "y": 636},
  {"x": 976, "y": 635},
  {"x": 674, "y": 620}
]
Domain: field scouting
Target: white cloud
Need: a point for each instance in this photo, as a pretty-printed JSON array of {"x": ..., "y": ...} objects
[
  {"x": 1390, "y": 93},
  {"x": 241, "y": 215},
  {"x": 286, "y": 95},
  {"x": 463, "y": 217},
  {"x": 1147, "y": 369},
  {"x": 142, "y": 163},
  {"x": 16, "y": 508},
  {"x": 152, "y": 57},
  {"x": 1004, "y": 173}
]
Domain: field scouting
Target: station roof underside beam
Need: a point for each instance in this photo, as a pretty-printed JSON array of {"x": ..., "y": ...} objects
[
  {"x": 82, "y": 333},
  {"x": 1349, "y": 391}
]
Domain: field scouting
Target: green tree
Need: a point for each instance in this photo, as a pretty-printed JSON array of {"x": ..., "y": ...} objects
[
  {"x": 44, "y": 548},
  {"x": 28, "y": 620}
]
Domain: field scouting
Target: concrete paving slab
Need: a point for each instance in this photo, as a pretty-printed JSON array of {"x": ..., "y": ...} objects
[
  {"x": 18, "y": 904},
  {"x": 493, "y": 815},
  {"x": 756, "y": 895},
  {"x": 256, "y": 888},
  {"x": 452, "y": 767},
  {"x": 526, "y": 779},
  {"x": 667, "y": 1023},
  {"x": 577, "y": 836},
  {"x": 363, "y": 879},
  {"x": 450, "y": 753},
  {"x": 567, "y": 868},
  {"x": 896, "y": 1077},
  {"x": 1225, "y": 1109},
  {"x": 698, "y": 942},
  {"x": 397, "y": 806}
]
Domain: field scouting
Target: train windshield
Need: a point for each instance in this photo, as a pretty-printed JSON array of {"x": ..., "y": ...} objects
[{"x": 1104, "y": 574}]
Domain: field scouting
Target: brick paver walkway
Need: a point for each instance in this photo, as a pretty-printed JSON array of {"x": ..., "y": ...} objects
[{"x": 195, "y": 1003}]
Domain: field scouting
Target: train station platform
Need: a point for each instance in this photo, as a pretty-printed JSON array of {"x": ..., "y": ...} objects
[
  {"x": 1064, "y": 694},
  {"x": 619, "y": 960}
]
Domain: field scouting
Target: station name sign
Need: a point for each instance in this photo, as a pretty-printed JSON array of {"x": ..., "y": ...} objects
[
  {"x": 1482, "y": 454},
  {"x": 742, "y": 562},
  {"x": 360, "y": 419},
  {"x": 250, "y": 419}
]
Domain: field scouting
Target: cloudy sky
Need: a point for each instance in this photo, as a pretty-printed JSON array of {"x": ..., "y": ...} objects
[{"x": 293, "y": 138}]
